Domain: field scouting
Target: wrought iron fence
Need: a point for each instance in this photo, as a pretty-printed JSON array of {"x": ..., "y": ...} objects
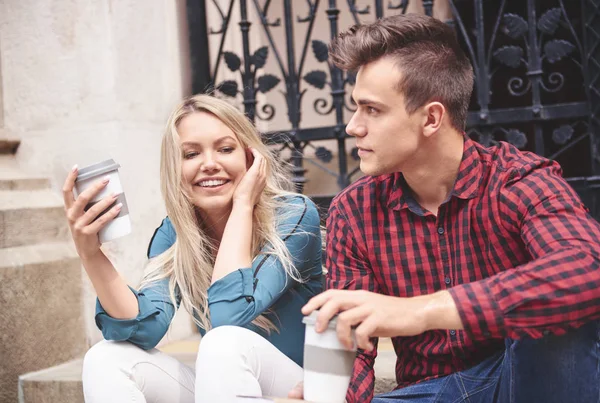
[{"x": 536, "y": 63}]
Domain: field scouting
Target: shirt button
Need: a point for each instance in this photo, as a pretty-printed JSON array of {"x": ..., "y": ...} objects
[
  {"x": 440, "y": 230},
  {"x": 452, "y": 332},
  {"x": 447, "y": 280},
  {"x": 249, "y": 299}
]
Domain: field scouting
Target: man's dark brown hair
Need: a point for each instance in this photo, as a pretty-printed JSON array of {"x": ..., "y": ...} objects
[{"x": 433, "y": 67}]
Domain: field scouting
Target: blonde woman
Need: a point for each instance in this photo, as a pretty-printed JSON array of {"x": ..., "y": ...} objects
[{"x": 238, "y": 251}]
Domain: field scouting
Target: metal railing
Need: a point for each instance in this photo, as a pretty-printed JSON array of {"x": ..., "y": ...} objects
[{"x": 537, "y": 75}]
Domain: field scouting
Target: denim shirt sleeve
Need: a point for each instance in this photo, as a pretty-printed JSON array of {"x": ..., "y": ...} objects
[
  {"x": 242, "y": 295},
  {"x": 155, "y": 307}
]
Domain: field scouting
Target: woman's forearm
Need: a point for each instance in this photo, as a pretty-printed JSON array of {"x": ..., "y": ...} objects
[
  {"x": 235, "y": 247},
  {"x": 115, "y": 296}
]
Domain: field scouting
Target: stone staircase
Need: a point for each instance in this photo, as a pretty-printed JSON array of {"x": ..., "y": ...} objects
[{"x": 40, "y": 277}]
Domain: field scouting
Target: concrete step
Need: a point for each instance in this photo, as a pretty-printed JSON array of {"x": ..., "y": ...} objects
[
  {"x": 23, "y": 182},
  {"x": 30, "y": 217},
  {"x": 13, "y": 177},
  {"x": 8, "y": 145},
  {"x": 62, "y": 384},
  {"x": 42, "y": 310},
  {"x": 59, "y": 384}
]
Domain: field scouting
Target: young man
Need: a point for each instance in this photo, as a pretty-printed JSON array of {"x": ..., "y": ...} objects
[{"x": 482, "y": 264}]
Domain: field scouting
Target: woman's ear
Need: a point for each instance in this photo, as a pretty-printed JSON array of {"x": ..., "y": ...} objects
[{"x": 249, "y": 158}]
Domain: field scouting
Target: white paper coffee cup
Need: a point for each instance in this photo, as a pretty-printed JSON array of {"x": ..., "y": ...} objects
[
  {"x": 89, "y": 175},
  {"x": 327, "y": 363}
]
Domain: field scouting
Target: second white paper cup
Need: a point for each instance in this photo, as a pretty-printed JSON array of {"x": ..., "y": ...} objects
[{"x": 327, "y": 364}]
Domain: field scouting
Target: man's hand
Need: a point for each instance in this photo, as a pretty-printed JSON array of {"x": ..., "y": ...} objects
[{"x": 377, "y": 315}]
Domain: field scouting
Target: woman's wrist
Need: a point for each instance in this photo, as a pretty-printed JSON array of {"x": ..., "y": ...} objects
[
  {"x": 242, "y": 205},
  {"x": 93, "y": 259},
  {"x": 99, "y": 268}
]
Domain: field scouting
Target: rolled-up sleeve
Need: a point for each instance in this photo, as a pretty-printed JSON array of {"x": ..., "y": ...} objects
[
  {"x": 155, "y": 307},
  {"x": 242, "y": 295},
  {"x": 145, "y": 330},
  {"x": 558, "y": 289}
]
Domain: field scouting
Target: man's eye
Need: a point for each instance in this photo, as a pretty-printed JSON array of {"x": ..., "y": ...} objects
[
  {"x": 371, "y": 110},
  {"x": 190, "y": 155}
]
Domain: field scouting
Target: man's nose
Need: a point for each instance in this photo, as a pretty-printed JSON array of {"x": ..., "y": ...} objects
[{"x": 355, "y": 127}]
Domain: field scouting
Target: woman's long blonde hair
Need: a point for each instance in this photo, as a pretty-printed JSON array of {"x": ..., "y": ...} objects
[{"x": 189, "y": 262}]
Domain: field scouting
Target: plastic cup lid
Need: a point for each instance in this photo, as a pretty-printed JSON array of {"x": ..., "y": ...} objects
[
  {"x": 312, "y": 319},
  {"x": 97, "y": 169}
]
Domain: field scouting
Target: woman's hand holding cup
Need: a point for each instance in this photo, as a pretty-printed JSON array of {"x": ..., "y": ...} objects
[{"x": 83, "y": 223}]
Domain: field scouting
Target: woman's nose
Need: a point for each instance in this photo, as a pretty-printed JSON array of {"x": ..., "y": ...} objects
[{"x": 209, "y": 163}]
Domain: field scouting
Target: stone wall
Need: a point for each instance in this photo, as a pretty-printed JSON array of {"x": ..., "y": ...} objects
[{"x": 83, "y": 81}]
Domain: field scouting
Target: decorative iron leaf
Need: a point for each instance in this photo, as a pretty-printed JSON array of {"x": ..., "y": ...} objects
[
  {"x": 556, "y": 49},
  {"x": 548, "y": 22},
  {"x": 259, "y": 58},
  {"x": 267, "y": 82},
  {"x": 516, "y": 138},
  {"x": 232, "y": 60},
  {"x": 515, "y": 25},
  {"x": 228, "y": 87},
  {"x": 320, "y": 50},
  {"x": 509, "y": 55},
  {"x": 354, "y": 154},
  {"x": 316, "y": 78},
  {"x": 562, "y": 134},
  {"x": 323, "y": 154}
]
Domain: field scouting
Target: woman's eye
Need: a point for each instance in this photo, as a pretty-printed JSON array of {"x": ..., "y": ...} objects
[
  {"x": 227, "y": 150},
  {"x": 190, "y": 155}
]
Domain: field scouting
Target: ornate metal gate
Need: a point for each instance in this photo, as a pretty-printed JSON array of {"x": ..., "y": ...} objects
[{"x": 537, "y": 68}]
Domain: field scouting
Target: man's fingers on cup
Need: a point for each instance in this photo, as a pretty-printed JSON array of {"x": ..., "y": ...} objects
[
  {"x": 346, "y": 320},
  {"x": 105, "y": 218},
  {"x": 364, "y": 332},
  {"x": 316, "y": 302},
  {"x": 338, "y": 302},
  {"x": 98, "y": 208},
  {"x": 67, "y": 189},
  {"x": 313, "y": 304},
  {"x": 327, "y": 311}
]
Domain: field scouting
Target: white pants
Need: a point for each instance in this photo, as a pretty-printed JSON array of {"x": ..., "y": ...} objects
[{"x": 231, "y": 361}]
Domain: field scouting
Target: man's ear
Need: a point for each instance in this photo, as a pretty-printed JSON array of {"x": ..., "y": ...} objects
[{"x": 435, "y": 113}]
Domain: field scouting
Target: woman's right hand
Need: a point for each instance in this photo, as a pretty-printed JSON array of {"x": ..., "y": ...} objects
[{"x": 83, "y": 227}]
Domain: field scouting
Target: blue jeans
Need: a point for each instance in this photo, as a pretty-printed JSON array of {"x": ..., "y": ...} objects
[{"x": 559, "y": 369}]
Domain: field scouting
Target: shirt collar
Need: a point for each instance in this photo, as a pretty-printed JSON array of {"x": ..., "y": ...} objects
[{"x": 466, "y": 185}]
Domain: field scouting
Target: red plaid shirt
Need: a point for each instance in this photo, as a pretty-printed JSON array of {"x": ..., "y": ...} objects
[{"x": 513, "y": 244}]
